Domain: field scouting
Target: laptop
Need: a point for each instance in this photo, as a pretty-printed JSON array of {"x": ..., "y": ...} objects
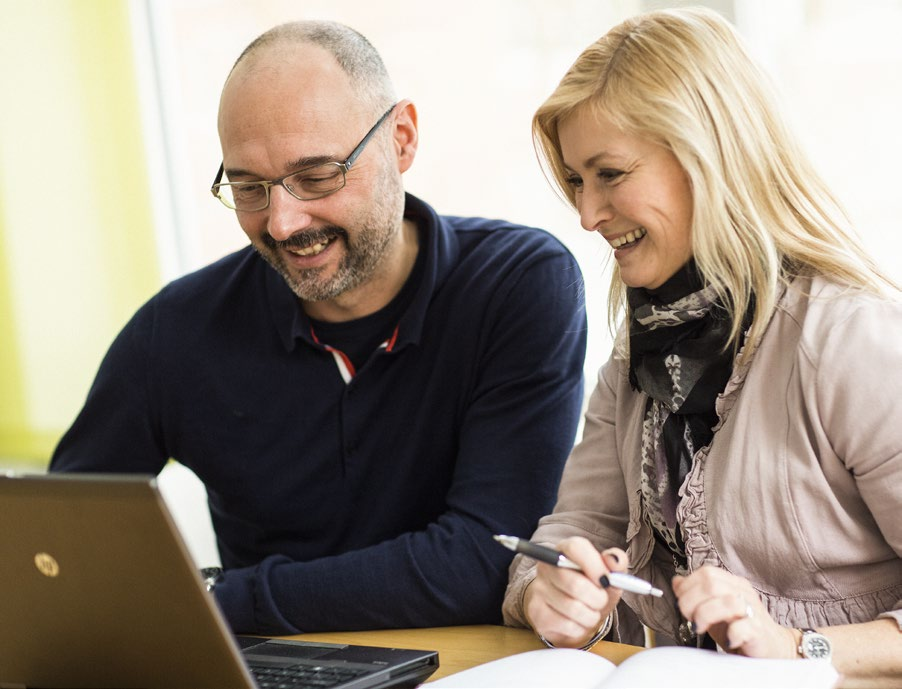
[{"x": 99, "y": 591}]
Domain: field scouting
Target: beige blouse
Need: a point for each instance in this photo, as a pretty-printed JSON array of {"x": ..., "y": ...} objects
[{"x": 800, "y": 490}]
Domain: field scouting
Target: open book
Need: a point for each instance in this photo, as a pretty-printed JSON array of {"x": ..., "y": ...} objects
[{"x": 669, "y": 667}]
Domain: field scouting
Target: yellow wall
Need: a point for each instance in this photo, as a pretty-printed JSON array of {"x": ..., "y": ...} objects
[{"x": 77, "y": 251}]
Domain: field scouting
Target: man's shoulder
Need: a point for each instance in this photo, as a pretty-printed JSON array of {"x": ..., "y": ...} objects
[
  {"x": 499, "y": 230},
  {"x": 499, "y": 259},
  {"x": 233, "y": 284},
  {"x": 214, "y": 298},
  {"x": 474, "y": 234},
  {"x": 236, "y": 269},
  {"x": 492, "y": 239}
]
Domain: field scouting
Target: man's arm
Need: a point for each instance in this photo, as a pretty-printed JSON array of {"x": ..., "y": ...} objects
[{"x": 116, "y": 430}]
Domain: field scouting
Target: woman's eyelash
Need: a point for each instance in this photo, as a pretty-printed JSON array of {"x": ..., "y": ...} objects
[
  {"x": 606, "y": 175},
  {"x": 574, "y": 181}
]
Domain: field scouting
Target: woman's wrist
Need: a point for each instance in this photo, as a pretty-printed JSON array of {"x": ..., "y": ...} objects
[
  {"x": 795, "y": 638},
  {"x": 598, "y": 636}
]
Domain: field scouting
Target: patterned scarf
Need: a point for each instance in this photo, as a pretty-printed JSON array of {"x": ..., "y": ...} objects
[{"x": 677, "y": 335}]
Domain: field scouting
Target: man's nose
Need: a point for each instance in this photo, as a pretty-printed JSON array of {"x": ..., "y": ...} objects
[{"x": 287, "y": 215}]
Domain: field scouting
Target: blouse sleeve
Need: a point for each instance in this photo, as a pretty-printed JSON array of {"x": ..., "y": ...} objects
[
  {"x": 592, "y": 498},
  {"x": 858, "y": 396}
]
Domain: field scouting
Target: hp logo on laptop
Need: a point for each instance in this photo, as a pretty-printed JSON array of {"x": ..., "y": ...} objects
[{"x": 46, "y": 564}]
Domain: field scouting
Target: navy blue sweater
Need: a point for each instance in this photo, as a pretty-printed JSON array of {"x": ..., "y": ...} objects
[{"x": 369, "y": 503}]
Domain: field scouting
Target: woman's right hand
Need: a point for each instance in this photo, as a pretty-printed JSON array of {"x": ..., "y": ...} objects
[{"x": 567, "y": 607}]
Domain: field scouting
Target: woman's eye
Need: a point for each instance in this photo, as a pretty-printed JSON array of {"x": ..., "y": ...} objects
[
  {"x": 610, "y": 175},
  {"x": 574, "y": 181}
]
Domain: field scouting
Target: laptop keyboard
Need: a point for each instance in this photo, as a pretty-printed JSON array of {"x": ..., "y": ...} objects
[{"x": 303, "y": 676}]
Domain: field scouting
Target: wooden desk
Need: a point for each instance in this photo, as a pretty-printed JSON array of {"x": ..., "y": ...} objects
[{"x": 460, "y": 648}]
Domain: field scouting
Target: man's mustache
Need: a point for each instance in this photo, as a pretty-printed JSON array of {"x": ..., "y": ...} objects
[{"x": 301, "y": 240}]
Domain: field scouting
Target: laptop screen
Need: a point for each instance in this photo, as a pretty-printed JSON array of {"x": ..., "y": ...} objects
[{"x": 102, "y": 592}]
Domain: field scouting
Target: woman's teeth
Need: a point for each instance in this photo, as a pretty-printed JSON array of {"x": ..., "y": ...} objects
[
  {"x": 311, "y": 250},
  {"x": 629, "y": 238}
]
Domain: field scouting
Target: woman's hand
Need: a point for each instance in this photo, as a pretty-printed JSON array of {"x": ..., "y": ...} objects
[
  {"x": 729, "y": 609},
  {"x": 567, "y": 607}
]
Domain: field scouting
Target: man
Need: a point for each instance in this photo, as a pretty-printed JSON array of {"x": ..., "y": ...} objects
[{"x": 371, "y": 390}]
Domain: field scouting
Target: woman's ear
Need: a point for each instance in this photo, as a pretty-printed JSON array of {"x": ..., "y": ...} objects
[{"x": 406, "y": 137}]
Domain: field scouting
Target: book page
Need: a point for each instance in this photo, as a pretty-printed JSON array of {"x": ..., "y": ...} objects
[
  {"x": 666, "y": 667},
  {"x": 564, "y": 668},
  {"x": 677, "y": 667}
]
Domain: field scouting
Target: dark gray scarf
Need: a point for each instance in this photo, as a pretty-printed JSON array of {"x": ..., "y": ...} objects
[{"x": 677, "y": 357}]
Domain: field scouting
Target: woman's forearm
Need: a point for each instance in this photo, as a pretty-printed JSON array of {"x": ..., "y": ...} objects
[{"x": 867, "y": 654}]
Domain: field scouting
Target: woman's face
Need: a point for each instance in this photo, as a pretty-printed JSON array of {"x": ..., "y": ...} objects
[{"x": 633, "y": 192}]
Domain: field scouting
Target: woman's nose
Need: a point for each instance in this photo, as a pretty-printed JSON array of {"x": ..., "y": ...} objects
[{"x": 595, "y": 209}]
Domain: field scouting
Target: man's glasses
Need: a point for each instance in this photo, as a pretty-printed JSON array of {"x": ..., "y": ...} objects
[{"x": 307, "y": 184}]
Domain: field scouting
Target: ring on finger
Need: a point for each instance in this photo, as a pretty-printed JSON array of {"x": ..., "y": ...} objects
[{"x": 749, "y": 611}]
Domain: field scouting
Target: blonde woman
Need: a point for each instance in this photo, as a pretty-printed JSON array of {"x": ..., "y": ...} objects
[{"x": 743, "y": 446}]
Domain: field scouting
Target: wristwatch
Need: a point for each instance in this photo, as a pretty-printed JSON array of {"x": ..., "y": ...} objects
[
  {"x": 211, "y": 576},
  {"x": 814, "y": 645}
]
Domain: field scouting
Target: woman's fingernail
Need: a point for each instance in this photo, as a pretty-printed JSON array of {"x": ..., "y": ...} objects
[
  {"x": 692, "y": 627},
  {"x": 615, "y": 556}
]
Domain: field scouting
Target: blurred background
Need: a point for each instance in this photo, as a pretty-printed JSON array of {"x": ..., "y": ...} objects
[{"x": 108, "y": 147}]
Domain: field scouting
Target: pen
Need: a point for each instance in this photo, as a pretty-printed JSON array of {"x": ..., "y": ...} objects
[
  {"x": 619, "y": 580},
  {"x": 627, "y": 582},
  {"x": 536, "y": 551}
]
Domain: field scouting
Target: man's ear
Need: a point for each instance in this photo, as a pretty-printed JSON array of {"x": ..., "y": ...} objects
[{"x": 406, "y": 137}]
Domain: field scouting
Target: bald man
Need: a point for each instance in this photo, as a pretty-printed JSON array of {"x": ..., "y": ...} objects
[{"x": 368, "y": 391}]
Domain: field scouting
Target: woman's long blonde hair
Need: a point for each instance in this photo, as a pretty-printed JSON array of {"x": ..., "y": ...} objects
[{"x": 761, "y": 214}]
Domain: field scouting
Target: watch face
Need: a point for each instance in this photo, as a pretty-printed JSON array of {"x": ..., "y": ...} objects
[
  {"x": 815, "y": 646},
  {"x": 211, "y": 576}
]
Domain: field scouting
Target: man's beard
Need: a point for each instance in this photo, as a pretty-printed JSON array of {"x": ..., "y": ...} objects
[{"x": 359, "y": 263}]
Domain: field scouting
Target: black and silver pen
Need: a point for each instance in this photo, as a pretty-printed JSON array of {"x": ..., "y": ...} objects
[{"x": 619, "y": 580}]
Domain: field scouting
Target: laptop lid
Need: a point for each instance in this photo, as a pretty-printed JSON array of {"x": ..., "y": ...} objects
[{"x": 99, "y": 591}]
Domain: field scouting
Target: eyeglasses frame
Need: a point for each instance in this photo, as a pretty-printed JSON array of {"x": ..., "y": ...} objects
[{"x": 344, "y": 166}]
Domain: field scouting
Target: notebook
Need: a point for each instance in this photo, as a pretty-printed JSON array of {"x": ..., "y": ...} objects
[
  {"x": 97, "y": 589},
  {"x": 662, "y": 667}
]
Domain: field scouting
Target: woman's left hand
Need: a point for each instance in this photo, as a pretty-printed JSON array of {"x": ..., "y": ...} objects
[{"x": 729, "y": 609}]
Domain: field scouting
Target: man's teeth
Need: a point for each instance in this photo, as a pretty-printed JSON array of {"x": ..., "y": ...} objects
[
  {"x": 311, "y": 250},
  {"x": 629, "y": 238}
]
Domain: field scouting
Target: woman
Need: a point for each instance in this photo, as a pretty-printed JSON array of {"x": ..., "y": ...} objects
[{"x": 743, "y": 447}]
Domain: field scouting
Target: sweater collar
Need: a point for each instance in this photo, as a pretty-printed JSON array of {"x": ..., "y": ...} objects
[{"x": 439, "y": 251}]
